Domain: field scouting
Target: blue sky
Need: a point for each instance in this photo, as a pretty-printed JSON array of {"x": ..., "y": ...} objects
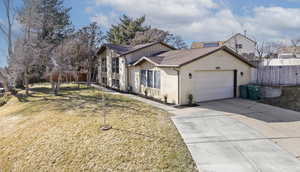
[{"x": 194, "y": 20}]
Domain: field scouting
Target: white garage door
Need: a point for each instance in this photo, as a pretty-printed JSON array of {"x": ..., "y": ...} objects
[{"x": 213, "y": 85}]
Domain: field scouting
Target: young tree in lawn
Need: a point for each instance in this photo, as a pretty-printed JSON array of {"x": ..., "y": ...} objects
[{"x": 60, "y": 63}]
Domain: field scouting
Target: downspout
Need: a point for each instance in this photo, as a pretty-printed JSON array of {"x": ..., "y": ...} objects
[{"x": 178, "y": 80}]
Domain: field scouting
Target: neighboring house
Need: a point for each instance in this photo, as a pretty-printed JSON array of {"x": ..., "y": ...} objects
[
  {"x": 289, "y": 52},
  {"x": 160, "y": 71},
  {"x": 239, "y": 43}
]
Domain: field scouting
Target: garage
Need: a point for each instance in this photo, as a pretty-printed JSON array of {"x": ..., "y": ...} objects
[
  {"x": 197, "y": 75},
  {"x": 213, "y": 85}
]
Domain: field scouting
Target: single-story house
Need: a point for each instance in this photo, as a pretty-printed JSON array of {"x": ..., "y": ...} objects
[{"x": 162, "y": 72}]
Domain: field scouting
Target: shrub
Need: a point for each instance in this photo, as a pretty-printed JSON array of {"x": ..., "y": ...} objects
[
  {"x": 4, "y": 99},
  {"x": 146, "y": 92},
  {"x": 166, "y": 98}
]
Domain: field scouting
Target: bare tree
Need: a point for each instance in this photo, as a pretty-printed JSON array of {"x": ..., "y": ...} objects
[
  {"x": 90, "y": 38},
  {"x": 157, "y": 35},
  {"x": 6, "y": 29},
  {"x": 295, "y": 43},
  {"x": 151, "y": 35}
]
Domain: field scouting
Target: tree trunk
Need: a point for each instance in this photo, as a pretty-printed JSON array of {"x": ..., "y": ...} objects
[
  {"x": 26, "y": 82},
  {"x": 57, "y": 87}
]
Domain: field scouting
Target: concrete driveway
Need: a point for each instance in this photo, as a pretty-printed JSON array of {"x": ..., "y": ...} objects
[{"x": 239, "y": 136}]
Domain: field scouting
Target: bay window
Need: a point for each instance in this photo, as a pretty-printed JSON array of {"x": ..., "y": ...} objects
[{"x": 150, "y": 78}]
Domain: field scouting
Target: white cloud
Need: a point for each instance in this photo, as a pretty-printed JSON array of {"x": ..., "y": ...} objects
[
  {"x": 105, "y": 20},
  {"x": 274, "y": 22},
  {"x": 207, "y": 20}
]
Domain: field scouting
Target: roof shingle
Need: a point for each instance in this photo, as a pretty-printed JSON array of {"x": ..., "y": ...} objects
[{"x": 182, "y": 57}]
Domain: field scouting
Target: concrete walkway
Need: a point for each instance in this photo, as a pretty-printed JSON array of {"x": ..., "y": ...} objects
[
  {"x": 219, "y": 142},
  {"x": 151, "y": 102},
  {"x": 231, "y": 135}
]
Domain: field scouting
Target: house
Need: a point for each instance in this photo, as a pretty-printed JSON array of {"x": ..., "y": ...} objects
[
  {"x": 164, "y": 73},
  {"x": 239, "y": 43},
  {"x": 289, "y": 52}
]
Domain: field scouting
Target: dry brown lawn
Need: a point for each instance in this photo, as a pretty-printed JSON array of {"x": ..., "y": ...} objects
[{"x": 61, "y": 133}]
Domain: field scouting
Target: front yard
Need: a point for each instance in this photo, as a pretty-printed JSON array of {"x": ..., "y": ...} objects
[{"x": 62, "y": 133}]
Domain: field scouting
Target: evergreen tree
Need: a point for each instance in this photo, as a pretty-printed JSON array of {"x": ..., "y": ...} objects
[{"x": 126, "y": 30}]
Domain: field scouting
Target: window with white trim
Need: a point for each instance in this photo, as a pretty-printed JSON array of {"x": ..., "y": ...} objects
[
  {"x": 150, "y": 78},
  {"x": 115, "y": 65}
]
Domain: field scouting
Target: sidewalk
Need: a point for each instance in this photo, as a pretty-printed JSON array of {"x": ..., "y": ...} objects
[{"x": 151, "y": 102}]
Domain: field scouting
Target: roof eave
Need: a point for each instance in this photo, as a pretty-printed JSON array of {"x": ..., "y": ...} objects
[{"x": 154, "y": 43}]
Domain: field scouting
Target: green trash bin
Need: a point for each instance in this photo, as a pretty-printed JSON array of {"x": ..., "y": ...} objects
[
  {"x": 244, "y": 92},
  {"x": 254, "y": 92}
]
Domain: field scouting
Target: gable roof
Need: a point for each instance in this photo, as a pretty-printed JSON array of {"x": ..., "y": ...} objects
[
  {"x": 126, "y": 49},
  {"x": 178, "y": 58},
  {"x": 239, "y": 34},
  {"x": 199, "y": 44}
]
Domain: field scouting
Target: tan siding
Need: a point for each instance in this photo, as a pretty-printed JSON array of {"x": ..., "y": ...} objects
[
  {"x": 248, "y": 46},
  {"x": 220, "y": 59},
  {"x": 169, "y": 82}
]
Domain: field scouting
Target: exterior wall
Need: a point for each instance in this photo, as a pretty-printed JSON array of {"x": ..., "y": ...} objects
[
  {"x": 123, "y": 61},
  {"x": 168, "y": 79},
  {"x": 101, "y": 74},
  {"x": 109, "y": 54},
  {"x": 248, "y": 46},
  {"x": 123, "y": 74},
  {"x": 220, "y": 59},
  {"x": 132, "y": 57}
]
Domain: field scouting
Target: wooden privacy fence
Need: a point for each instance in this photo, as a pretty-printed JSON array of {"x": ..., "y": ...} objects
[{"x": 276, "y": 75}]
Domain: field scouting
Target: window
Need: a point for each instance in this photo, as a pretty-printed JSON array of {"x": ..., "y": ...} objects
[
  {"x": 150, "y": 78},
  {"x": 116, "y": 83},
  {"x": 104, "y": 80},
  {"x": 103, "y": 65},
  {"x": 239, "y": 46},
  {"x": 144, "y": 77},
  {"x": 157, "y": 79},
  {"x": 115, "y": 65}
]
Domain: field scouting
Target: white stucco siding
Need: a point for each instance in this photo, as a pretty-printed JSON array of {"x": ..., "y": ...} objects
[
  {"x": 168, "y": 81},
  {"x": 132, "y": 57},
  {"x": 221, "y": 60},
  {"x": 248, "y": 46},
  {"x": 123, "y": 74}
]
